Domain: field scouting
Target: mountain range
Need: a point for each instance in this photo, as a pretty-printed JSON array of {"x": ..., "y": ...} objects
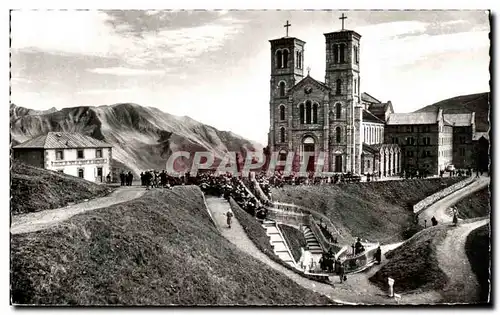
[{"x": 142, "y": 137}]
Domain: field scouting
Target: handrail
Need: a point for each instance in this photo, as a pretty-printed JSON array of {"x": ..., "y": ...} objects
[{"x": 327, "y": 245}]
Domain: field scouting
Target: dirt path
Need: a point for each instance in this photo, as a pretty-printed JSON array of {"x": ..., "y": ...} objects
[
  {"x": 345, "y": 293},
  {"x": 31, "y": 222},
  {"x": 462, "y": 286},
  {"x": 439, "y": 208}
]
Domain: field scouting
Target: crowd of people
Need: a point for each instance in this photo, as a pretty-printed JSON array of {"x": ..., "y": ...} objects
[{"x": 126, "y": 178}]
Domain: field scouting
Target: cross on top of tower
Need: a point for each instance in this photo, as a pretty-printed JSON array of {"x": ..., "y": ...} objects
[
  {"x": 343, "y": 17},
  {"x": 287, "y": 25}
]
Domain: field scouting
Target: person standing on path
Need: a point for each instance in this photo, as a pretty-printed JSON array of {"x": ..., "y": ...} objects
[
  {"x": 455, "y": 217},
  {"x": 229, "y": 216}
]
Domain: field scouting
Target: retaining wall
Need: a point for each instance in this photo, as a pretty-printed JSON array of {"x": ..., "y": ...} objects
[{"x": 424, "y": 203}]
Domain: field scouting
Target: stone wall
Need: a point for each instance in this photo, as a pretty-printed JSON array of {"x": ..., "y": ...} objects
[{"x": 424, "y": 203}]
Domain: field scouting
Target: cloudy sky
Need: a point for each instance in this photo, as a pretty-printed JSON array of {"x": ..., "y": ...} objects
[{"x": 214, "y": 66}]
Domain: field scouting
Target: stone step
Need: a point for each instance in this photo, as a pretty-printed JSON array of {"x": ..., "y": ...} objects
[
  {"x": 279, "y": 246},
  {"x": 275, "y": 238},
  {"x": 272, "y": 230},
  {"x": 284, "y": 256}
]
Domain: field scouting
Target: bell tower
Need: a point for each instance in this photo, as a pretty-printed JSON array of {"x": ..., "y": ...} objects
[
  {"x": 343, "y": 77},
  {"x": 287, "y": 68}
]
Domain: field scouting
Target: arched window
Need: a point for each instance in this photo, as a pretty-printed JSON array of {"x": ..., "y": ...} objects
[
  {"x": 301, "y": 109},
  {"x": 308, "y": 112},
  {"x": 338, "y": 110},
  {"x": 342, "y": 51},
  {"x": 335, "y": 53},
  {"x": 282, "y": 112},
  {"x": 338, "y": 90},
  {"x": 315, "y": 113},
  {"x": 279, "y": 59},
  {"x": 356, "y": 58},
  {"x": 355, "y": 86},
  {"x": 282, "y": 89},
  {"x": 300, "y": 60},
  {"x": 338, "y": 134},
  {"x": 285, "y": 58},
  {"x": 297, "y": 58},
  {"x": 282, "y": 134}
]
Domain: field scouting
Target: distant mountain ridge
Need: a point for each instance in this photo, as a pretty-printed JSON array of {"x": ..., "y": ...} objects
[
  {"x": 478, "y": 103},
  {"x": 142, "y": 137}
]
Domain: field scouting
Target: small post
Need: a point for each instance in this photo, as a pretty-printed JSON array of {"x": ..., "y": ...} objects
[{"x": 391, "y": 288}]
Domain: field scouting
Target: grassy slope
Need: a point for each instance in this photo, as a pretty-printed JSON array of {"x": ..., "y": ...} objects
[
  {"x": 160, "y": 249},
  {"x": 414, "y": 265},
  {"x": 476, "y": 205},
  {"x": 294, "y": 239},
  {"x": 477, "y": 248},
  {"x": 379, "y": 211},
  {"x": 34, "y": 189}
]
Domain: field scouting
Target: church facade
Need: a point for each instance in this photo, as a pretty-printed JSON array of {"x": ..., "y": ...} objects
[{"x": 332, "y": 119}]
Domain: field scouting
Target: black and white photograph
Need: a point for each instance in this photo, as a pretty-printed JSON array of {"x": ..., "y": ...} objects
[{"x": 217, "y": 157}]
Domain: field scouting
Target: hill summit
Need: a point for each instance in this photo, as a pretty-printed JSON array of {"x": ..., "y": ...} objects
[{"x": 478, "y": 103}]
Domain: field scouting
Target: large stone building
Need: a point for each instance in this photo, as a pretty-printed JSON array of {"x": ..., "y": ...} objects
[
  {"x": 356, "y": 132},
  {"x": 309, "y": 117},
  {"x": 70, "y": 153}
]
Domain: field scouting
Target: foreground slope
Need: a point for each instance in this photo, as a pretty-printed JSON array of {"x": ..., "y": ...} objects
[
  {"x": 377, "y": 211},
  {"x": 34, "y": 189},
  {"x": 142, "y": 137},
  {"x": 478, "y": 103},
  {"x": 159, "y": 249}
]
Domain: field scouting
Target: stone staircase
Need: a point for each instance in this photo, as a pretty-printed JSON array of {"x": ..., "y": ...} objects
[
  {"x": 278, "y": 243},
  {"x": 312, "y": 242}
]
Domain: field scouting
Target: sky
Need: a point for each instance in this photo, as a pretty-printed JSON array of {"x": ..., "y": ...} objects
[{"x": 214, "y": 66}]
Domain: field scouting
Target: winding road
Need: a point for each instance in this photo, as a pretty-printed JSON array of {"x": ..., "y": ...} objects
[
  {"x": 440, "y": 207},
  {"x": 36, "y": 221}
]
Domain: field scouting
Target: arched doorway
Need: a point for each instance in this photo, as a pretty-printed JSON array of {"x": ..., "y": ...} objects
[
  {"x": 338, "y": 163},
  {"x": 308, "y": 146}
]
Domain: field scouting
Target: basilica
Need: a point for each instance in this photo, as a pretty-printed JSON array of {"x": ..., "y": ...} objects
[{"x": 333, "y": 116}]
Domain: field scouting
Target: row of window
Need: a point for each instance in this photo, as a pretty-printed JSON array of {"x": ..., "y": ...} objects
[
  {"x": 411, "y": 140},
  {"x": 282, "y": 57},
  {"x": 444, "y": 153},
  {"x": 309, "y": 113},
  {"x": 79, "y": 154},
  {"x": 373, "y": 134},
  {"x": 425, "y": 128},
  {"x": 425, "y": 153},
  {"x": 338, "y": 135},
  {"x": 338, "y": 87}
]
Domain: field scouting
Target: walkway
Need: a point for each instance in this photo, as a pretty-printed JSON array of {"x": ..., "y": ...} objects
[
  {"x": 341, "y": 293},
  {"x": 35, "y": 221},
  {"x": 438, "y": 209},
  {"x": 462, "y": 286}
]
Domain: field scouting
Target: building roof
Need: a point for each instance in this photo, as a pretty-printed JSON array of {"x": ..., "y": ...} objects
[
  {"x": 370, "y": 117},
  {"x": 63, "y": 140},
  {"x": 479, "y": 135},
  {"x": 375, "y": 148},
  {"x": 379, "y": 109},
  {"x": 309, "y": 80},
  {"x": 365, "y": 97},
  {"x": 422, "y": 118},
  {"x": 460, "y": 120}
]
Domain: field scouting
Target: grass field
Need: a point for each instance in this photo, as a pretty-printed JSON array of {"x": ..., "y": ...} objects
[
  {"x": 477, "y": 248},
  {"x": 34, "y": 189},
  {"x": 160, "y": 249},
  {"x": 294, "y": 239},
  {"x": 377, "y": 211},
  {"x": 414, "y": 265},
  {"x": 476, "y": 205}
]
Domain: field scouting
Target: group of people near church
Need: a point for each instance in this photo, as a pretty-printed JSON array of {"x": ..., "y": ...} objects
[{"x": 126, "y": 178}]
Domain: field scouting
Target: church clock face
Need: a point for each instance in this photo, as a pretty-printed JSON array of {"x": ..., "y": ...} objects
[{"x": 308, "y": 90}]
